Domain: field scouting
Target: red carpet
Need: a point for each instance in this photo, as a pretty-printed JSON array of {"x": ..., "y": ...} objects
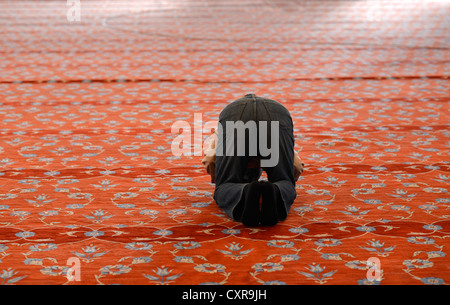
[{"x": 87, "y": 172}]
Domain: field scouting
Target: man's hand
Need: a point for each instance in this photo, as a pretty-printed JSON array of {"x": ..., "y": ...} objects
[
  {"x": 298, "y": 166},
  {"x": 209, "y": 160}
]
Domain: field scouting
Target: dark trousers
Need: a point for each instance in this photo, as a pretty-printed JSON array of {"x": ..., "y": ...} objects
[{"x": 232, "y": 170}]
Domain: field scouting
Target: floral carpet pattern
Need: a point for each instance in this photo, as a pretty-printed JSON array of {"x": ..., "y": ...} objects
[{"x": 86, "y": 168}]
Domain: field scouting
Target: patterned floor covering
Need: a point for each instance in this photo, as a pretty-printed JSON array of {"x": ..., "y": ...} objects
[{"x": 90, "y": 192}]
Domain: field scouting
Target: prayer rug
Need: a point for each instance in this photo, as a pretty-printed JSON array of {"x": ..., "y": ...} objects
[{"x": 91, "y": 192}]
